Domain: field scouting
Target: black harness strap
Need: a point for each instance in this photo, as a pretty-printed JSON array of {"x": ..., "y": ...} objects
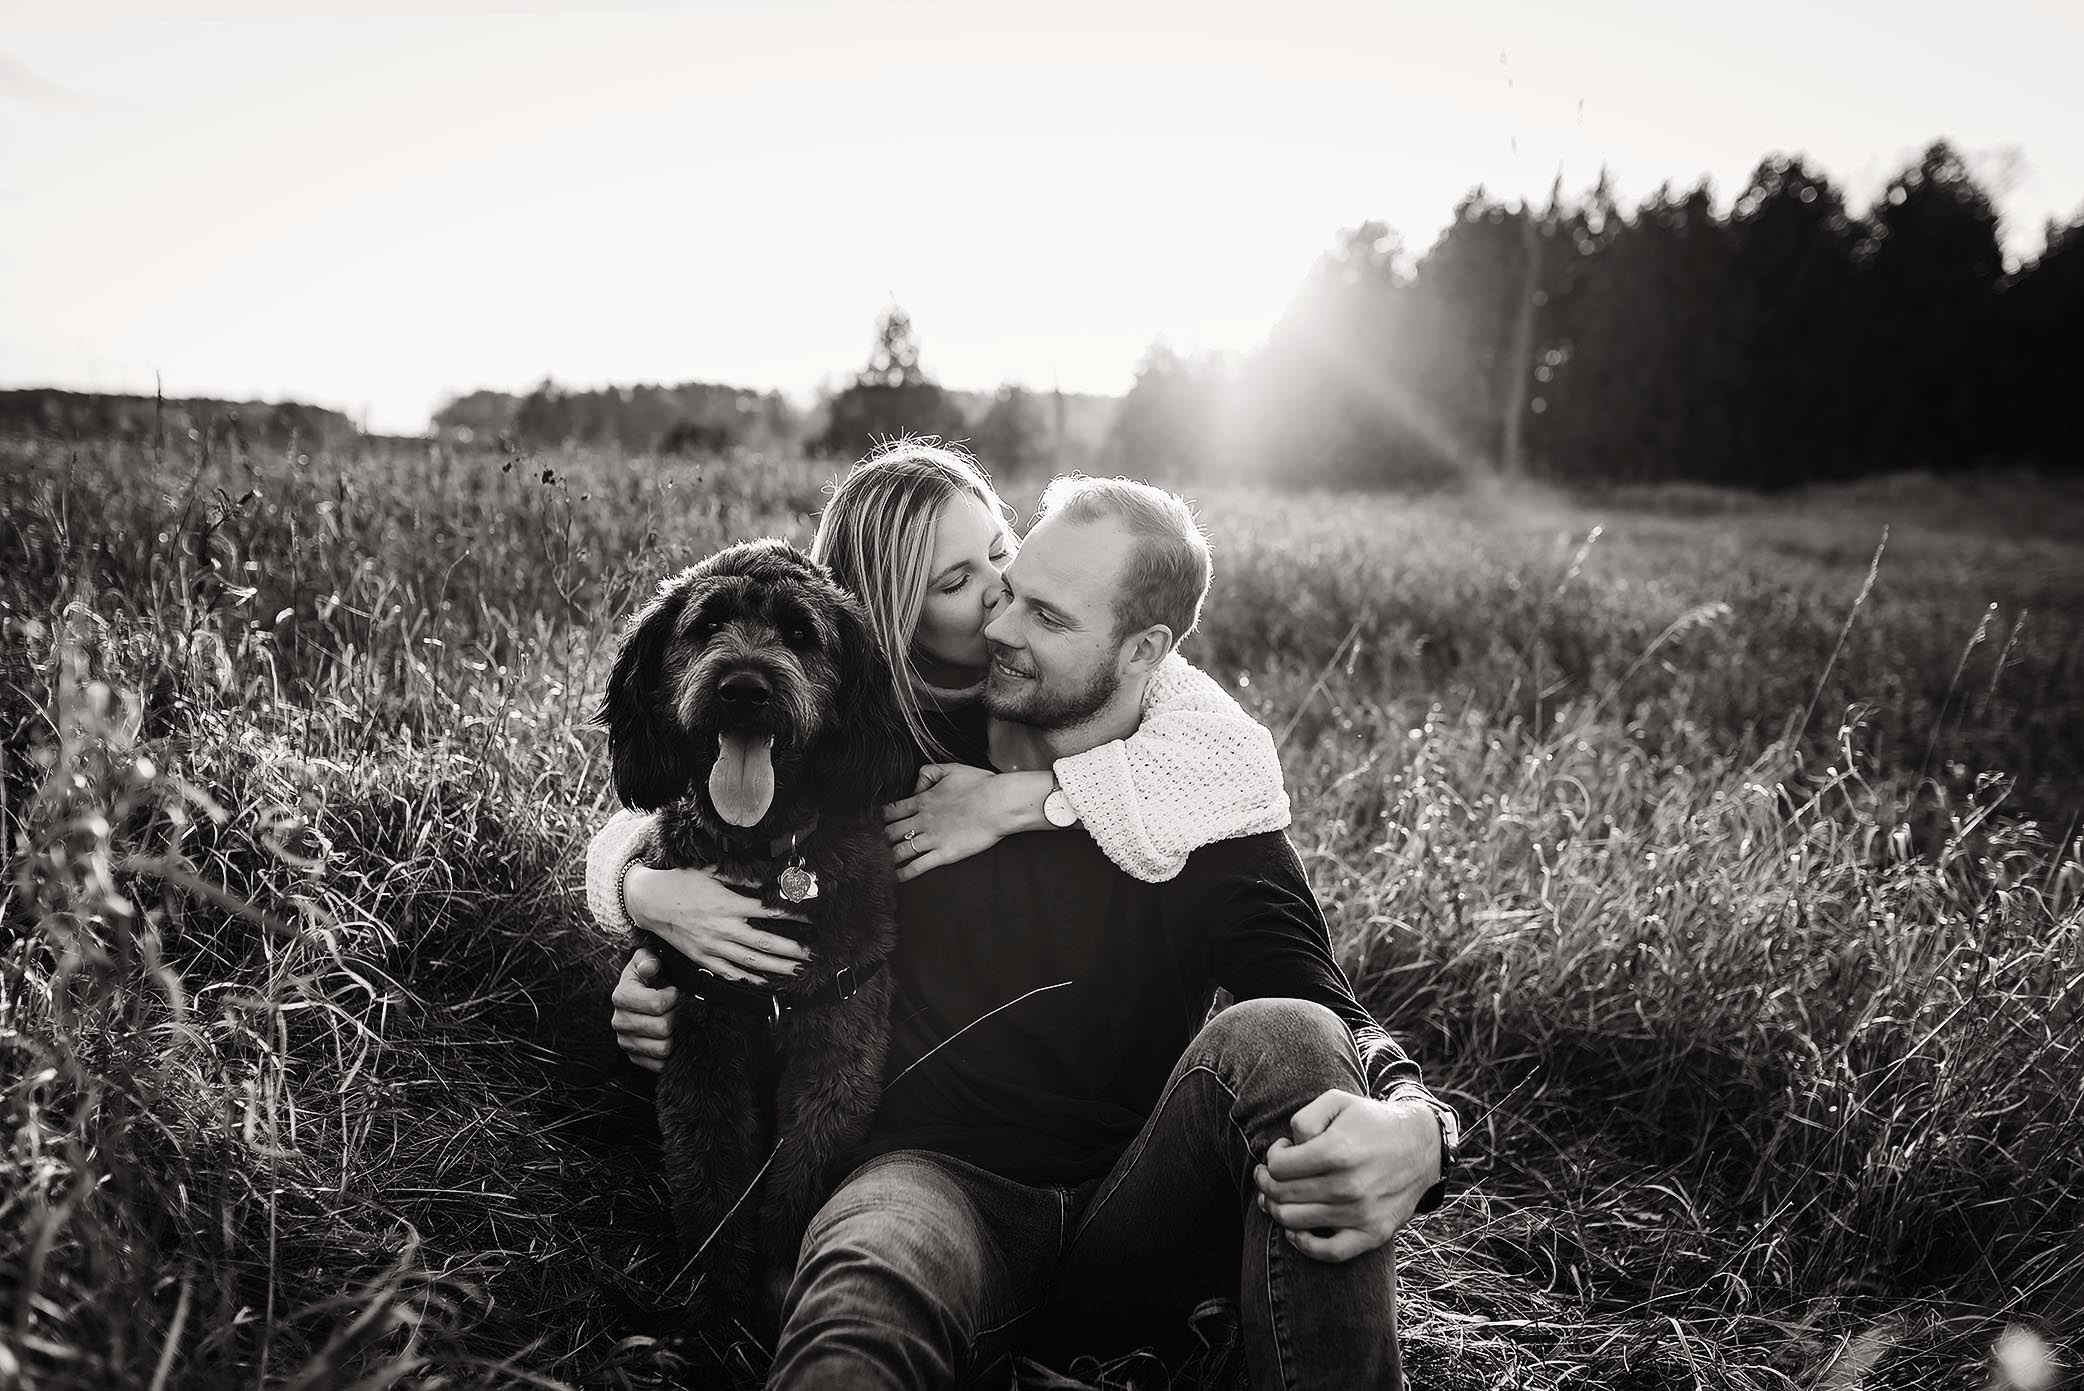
[{"x": 845, "y": 984}]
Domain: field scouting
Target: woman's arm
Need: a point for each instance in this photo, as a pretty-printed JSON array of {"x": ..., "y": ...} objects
[
  {"x": 614, "y": 848},
  {"x": 688, "y": 909},
  {"x": 1198, "y": 769},
  {"x": 956, "y": 811}
]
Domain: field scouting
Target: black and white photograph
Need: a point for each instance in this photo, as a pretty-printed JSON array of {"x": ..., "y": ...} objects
[{"x": 1041, "y": 695}]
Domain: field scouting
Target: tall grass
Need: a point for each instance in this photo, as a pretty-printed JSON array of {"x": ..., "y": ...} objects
[{"x": 1768, "y": 1030}]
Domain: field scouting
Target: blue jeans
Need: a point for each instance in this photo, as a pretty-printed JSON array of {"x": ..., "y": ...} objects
[{"x": 923, "y": 1271}]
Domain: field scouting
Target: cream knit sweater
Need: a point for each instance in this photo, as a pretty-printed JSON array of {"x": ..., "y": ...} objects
[{"x": 1198, "y": 769}]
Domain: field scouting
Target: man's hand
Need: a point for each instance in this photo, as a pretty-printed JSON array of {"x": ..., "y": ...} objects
[
  {"x": 956, "y": 811},
  {"x": 1352, "y": 1174},
  {"x": 643, "y": 1019}
]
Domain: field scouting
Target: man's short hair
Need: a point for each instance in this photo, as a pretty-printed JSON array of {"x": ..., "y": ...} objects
[{"x": 1167, "y": 573}]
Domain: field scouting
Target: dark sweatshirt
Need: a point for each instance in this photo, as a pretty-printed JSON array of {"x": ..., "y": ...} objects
[{"x": 1043, "y": 995}]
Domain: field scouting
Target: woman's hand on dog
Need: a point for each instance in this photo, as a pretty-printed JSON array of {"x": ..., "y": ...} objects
[
  {"x": 712, "y": 924},
  {"x": 956, "y": 811}
]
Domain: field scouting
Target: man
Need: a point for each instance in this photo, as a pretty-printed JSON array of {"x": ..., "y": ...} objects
[{"x": 1064, "y": 1150}]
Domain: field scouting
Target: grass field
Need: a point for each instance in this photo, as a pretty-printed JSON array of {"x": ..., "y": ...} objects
[{"x": 1727, "y": 877}]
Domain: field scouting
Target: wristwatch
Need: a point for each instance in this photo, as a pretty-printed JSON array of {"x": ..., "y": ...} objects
[
  {"x": 1056, "y": 807},
  {"x": 1450, "y": 1124}
]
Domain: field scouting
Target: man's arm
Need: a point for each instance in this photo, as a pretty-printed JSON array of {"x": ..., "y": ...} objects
[{"x": 1267, "y": 938}]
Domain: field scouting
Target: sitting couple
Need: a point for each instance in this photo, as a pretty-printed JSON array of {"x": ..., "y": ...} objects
[{"x": 1071, "y": 1154}]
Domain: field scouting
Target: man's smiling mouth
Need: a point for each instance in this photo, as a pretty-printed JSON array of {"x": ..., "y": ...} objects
[{"x": 1004, "y": 668}]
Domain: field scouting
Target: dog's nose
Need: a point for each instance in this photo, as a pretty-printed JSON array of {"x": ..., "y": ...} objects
[{"x": 744, "y": 689}]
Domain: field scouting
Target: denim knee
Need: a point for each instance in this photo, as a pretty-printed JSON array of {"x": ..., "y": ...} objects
[
  {"x": 1287, "y": 1028},
  {"x": 910, "y": 1273},
  {"x": 900, "y": 1215},
  {"x": 883, "y": 1294}
]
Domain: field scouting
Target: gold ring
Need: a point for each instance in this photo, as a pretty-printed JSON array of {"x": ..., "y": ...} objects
[{"x": 911, "y": 835}]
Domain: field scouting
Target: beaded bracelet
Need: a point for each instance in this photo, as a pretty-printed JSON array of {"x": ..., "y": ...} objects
[{"x": 622, "y": 895}]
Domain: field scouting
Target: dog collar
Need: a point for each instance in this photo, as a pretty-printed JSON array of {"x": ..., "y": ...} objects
[
  {"x": 845, "y": 984},
  {"x": 774, "y": 847},
  {"x": 786, "y": 844},
  {"x": 797, "y": 882}
]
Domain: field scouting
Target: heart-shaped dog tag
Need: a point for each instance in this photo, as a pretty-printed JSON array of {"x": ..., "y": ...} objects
[{"x": 798, "y": 885}]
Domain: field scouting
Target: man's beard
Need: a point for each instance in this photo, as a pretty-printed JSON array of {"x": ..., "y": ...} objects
[{"x": 1036, "y": 705}]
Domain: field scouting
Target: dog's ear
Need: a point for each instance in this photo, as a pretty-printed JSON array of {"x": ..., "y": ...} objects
[
  {"x": 649, "y": 749},
  {"x": 867, "y": 753}
]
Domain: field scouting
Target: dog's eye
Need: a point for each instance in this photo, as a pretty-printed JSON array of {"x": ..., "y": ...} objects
[
  {"x": 800, "y": 636},
  {"x": 702, "y": 629}
]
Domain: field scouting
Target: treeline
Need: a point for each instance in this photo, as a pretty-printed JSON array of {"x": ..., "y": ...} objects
[
  {"x": 1015, "y": 430},
  {"x": 1784, "y": 342},
  {"x": 690, "y": 418},
  {"x": 236, "y": 425}
]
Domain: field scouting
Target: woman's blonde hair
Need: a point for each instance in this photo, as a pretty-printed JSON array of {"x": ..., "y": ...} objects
[{"x": 876, "y": 536}]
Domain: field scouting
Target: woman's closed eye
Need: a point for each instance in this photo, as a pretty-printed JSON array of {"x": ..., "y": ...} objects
[{"x": 962, "y": 579}]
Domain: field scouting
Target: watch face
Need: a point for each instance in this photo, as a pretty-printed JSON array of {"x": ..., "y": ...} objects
[{"x": 1056, "y": 807}]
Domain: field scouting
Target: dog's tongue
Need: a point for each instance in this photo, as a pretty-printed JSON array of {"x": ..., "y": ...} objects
[{"x": 741, "y": 784}]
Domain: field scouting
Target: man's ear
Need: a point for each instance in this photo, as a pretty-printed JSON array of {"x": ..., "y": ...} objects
[{"x": 1142, "y": 652}]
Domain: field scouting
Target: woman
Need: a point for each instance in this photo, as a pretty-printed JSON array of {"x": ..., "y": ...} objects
[{"x": 917, "y": 533}]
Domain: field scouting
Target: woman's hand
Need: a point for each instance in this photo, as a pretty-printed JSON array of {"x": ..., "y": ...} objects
[
  {"x": 712, "y": 924},
  {"x": 957, "y": 810}
]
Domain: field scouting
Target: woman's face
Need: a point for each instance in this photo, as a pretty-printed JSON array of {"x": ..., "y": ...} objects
[{"x": 970, "y": 551}]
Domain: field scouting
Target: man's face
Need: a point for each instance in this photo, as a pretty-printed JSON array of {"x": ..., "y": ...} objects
[{"x": 1055, "y": 661}]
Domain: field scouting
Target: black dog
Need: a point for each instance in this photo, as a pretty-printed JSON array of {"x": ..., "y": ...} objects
[{"x": 750, "y": 706}]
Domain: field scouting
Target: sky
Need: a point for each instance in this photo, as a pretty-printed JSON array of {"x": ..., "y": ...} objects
[{"x": 374, "y": 206}]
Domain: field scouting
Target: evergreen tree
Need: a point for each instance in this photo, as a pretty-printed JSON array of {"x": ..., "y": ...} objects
[
  {"x": 1013, "y": 438},
  {"x": 1171, "y": 422},
  {"x": 1930, "y": 290},
  {"x": 890, "y": 397},
  {"x": 2042, "y": 312},
  {"x": 1333, "y": 396},
  {"x": 1639, "y": 363},
  {"x": 1465, "y": 301},
  {"x": 1793, "y": 310}
]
